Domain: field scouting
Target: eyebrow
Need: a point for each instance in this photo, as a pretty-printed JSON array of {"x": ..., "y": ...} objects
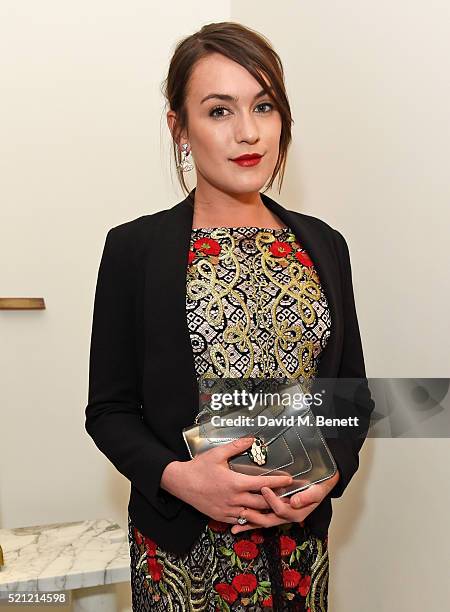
[{"x": 229, "y": 98}]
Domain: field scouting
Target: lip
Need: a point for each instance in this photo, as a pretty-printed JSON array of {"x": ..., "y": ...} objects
[
  {"x": 247, "y": 156},
  {"x": 247, "y": 160}
]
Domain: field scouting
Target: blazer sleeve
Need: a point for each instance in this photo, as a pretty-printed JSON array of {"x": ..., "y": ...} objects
[
  {"x": 113, "y": 413},
  {"x": 352, "y": 397}
]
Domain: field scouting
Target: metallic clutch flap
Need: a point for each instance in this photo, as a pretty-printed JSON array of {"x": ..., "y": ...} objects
[{"x": 287, "y": 440}]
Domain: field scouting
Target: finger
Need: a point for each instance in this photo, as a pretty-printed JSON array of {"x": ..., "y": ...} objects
[
  {"x": 285, "y": 510},
  {"x": 261, "y": 519},
  {"x": 280, "y": 507},
  {"x": 252, "y": 500},
  {"x": 238, "y": 528},
  {"x": 304, "y": 511},
  {"x": 311, "y": 495},
  {"x": 273, "y": 519},
  {"x": 233, "y": 514},
  {"x": 235, "y": 447},
  {"x": 254, "y": 483}
]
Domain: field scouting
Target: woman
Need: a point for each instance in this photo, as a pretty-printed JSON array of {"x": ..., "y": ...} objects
[{"x": 216, "y": 286}]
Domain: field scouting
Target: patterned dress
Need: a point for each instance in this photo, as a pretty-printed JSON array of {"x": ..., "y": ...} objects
[{"x": 254, "y": 308}]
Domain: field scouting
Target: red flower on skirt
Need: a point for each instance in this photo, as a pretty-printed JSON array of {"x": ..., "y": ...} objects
[
  {"x": 226, "y": 591},
  {"x": 245, "y": 583},
  {"x": 246, "y": 549},
  {"x": 287, "y": 544},
  {"x": 207, "y": 246},
  {"x": 280, "y": 249},
  {"x": 155, "y": 569},
  {"x": 268, "y": 603},
  {"x": 150, "y": 546},
  {"x": 257, "y": 537},
  {"x": 138, "y": 536},
  {"x": 290, "y": 578},
  {"x": 217, "y": 526},
  {"x": 191, "y": 257},
  {"x": 304, "y": 584}
]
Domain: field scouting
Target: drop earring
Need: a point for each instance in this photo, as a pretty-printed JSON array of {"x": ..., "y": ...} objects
[{"x": 184, "y": 164}]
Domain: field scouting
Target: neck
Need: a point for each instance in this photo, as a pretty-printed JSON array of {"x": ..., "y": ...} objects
[{"x": 213, "y": 207}]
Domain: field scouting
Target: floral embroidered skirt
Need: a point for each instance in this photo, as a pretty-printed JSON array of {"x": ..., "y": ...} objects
[{"x": 230, "y": 572}]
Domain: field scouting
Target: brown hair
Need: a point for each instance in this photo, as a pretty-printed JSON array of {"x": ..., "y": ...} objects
[{"x": 244, "y": 46}]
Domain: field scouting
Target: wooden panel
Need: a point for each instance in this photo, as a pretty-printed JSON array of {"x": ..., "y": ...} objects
[{"x": 25, "y": 303}]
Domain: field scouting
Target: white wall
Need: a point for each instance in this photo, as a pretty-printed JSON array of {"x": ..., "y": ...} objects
[
  {"x": 84, "y": 143},
  {"x": 370, "y": 94}
]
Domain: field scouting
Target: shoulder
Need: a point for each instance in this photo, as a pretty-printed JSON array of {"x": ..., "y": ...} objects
[
  {"x": 126, "y": 246},
  {"x": 129, "y": 239},
  {"x": 136, "y": 229},
  {"x": 330, "y": 233}
]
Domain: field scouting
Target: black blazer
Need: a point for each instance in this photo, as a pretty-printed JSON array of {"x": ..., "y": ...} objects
[{"x": 142, "y": 382}]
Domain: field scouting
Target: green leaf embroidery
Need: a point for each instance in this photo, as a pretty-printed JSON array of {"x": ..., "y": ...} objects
[
  {"x": 163, "y": 588},
  {"x": 265, "y": 592}
]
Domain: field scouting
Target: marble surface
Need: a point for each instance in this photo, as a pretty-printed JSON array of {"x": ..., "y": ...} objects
[{"x": 64, "y": 556}]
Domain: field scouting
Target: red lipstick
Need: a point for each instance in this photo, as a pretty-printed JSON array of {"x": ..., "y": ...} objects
[{"x": 249, "y": 159}]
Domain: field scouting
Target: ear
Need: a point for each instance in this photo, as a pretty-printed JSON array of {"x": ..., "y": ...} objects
[
  {"x": 171, "y": 122},
  {"x": 179, "y": 138}
]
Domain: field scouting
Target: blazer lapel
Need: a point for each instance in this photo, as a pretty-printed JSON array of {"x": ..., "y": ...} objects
[{"x": 167, "y": 293}]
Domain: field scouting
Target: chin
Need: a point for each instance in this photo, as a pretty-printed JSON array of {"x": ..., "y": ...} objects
[
  {"x": 245, "y": 186},
  {"x": 250, "y": 183}
]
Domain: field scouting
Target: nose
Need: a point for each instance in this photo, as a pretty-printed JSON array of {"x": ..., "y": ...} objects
[{"x": 246, "y": 129}]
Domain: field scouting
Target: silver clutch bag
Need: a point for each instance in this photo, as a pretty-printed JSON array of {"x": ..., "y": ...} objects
[{"x": 287, "y": 439}]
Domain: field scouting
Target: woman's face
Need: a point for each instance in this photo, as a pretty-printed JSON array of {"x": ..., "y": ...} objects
[{"x": 222, "y": 129}]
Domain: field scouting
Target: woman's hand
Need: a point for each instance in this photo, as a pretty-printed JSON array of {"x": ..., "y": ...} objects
[
  {"x": 207, "y": 483},
  {"x": 287, "y": 510}
]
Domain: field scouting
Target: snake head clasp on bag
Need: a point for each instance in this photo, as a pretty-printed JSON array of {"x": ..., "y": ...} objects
[{"x": 258, "y": 451}]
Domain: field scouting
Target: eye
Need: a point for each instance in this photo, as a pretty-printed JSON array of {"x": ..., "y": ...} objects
[
  {"x": 269, "y": 104},
  {"x": 222, "y": 108},
  {"x": 216, "y": 108}
]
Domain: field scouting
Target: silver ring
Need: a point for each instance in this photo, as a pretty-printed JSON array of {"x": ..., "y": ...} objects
[{"x": 241, "y": 520}]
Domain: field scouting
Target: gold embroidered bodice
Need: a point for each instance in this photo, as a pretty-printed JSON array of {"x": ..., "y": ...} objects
[{"x": 254, "y": 304}]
